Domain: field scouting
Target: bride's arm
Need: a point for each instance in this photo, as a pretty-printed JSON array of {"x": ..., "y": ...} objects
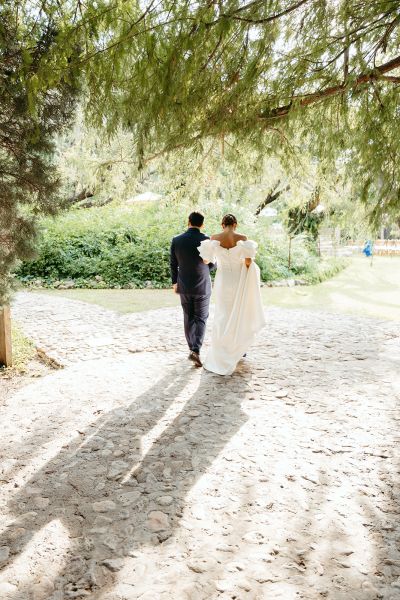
[{"x": 249, "y": 251}]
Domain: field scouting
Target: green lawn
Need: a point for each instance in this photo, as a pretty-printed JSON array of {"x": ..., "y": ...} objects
[
  {"x": 360, "y": 289},
  {"x": 122, "y": 301}
]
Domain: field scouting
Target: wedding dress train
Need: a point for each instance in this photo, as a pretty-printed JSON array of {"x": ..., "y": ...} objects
[{"x": 239, "y": 313}]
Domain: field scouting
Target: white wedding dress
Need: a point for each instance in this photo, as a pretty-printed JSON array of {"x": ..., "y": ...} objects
[{"x": 239, "y": 313}]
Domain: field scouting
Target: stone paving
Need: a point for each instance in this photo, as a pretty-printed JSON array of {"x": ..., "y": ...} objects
[{"x": 129, "y": 474}]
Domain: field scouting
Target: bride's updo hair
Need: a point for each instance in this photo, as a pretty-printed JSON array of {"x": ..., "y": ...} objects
[{"x": 229, "y": 220}]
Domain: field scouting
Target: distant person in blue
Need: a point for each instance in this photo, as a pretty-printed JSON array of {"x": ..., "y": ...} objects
[{"x": 368, "y": 248}]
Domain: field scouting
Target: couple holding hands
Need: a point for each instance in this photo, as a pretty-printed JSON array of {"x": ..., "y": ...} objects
[{"x": 239, "y": 313}]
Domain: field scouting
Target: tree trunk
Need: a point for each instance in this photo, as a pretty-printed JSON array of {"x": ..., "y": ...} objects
[
  {"x": 79, "y": 197},
  {"x": 315, "y": 199},
  {"x": 271, "y": 196},
  {"x": 90, "y": 203}
]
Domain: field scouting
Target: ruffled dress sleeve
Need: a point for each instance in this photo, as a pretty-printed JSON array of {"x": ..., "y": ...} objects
[
  {"x": 207, "y": 250},
  {"x": 249, "y": 249}
]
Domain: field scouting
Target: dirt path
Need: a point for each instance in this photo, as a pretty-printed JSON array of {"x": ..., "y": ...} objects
[{"x": 128, "y": 474}]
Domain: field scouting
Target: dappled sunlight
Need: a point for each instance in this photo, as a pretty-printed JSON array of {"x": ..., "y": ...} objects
[
  {"x": 130, "y": 470},
  {"x": 167, "y": 419},
  {"x": 287, "y": 515},
  {"x": 79, "y": 488},
  {"x": 275, "y": 482},
  {"x": 52, "y": 411},
  {"x": 33, "y": 572}
]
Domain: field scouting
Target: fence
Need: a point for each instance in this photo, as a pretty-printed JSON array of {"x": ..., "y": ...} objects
[
  {"x": 329, "y": 244},
  {"x": 387, "y": 248}
]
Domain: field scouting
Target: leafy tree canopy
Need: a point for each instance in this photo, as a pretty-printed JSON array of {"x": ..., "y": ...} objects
[
  {"x": 280, "y": 76},
  {"x": 177, "y": 72}
]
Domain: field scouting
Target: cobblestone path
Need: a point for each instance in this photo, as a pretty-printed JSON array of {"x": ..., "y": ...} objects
[{"x": 129, "y": 474}]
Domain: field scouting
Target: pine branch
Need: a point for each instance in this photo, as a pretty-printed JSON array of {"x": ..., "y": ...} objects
[
  {"x": 391, "y": 78},
  {"x": 383, "y": 42},
  {"x": 271, "y": 197},
  {"x": 260, "y": 21},
  {"x": 312, "y": 98}
]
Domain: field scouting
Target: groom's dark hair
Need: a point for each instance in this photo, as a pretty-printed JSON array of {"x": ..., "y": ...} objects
[{"x": 196, "y": 219}]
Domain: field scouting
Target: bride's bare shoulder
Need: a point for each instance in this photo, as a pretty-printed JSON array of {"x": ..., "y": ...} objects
[
  {"x": 241, "y": 237},
  {"x": 215, "y": 236}
]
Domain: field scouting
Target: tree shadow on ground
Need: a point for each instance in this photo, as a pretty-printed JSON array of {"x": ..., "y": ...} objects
[
  {"x": 334, "y": 403},
  {"x": 106, "y": 491}
]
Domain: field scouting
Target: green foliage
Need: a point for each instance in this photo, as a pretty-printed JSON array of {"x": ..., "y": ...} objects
[
  {"x": 89, "y": 162},
  {"x": 234, "y": 177},
  {"x": 283, "y": 76},
  {"x": 118, "y": 247},
  {"x": 300, "y": 220},
  {"x": 325, "y": 269},
  {"x": 305, "y": 264},
  {"x": 121, "y": 246},
  {"x": 31, "y": 114},
  {"x": 306, "y": 219}
]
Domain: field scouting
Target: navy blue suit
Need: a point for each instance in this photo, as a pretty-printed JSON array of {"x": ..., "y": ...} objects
[{"x": 194, "y": 284}]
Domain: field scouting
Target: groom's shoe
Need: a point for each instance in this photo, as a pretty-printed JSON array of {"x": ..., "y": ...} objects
[{"x": 195, "y": 357}]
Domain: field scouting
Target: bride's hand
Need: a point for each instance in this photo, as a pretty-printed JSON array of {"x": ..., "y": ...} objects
[{"x": 206, "y": 262}]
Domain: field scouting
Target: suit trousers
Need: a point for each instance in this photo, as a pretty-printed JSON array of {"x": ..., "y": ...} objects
[{"x": 195, "y": 311}]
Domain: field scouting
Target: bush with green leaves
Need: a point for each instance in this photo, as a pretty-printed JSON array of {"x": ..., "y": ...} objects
[
  {"x": 125, "y": 246},
  {"x": 102, "y": 247}
]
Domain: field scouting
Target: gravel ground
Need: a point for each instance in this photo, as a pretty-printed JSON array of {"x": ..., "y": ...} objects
[{"x": 129, "y": 474}]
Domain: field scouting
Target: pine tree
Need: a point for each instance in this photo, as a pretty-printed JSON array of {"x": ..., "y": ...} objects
[{"x": 31, "y": 114}]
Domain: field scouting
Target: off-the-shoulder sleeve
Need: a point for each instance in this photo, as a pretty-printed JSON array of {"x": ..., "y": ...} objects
[
  {"x": 249, "y": 249},
  {"x": 207, "y": 250}
]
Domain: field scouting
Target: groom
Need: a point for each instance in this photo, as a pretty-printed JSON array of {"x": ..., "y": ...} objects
[{"x": 191, "y": 279}]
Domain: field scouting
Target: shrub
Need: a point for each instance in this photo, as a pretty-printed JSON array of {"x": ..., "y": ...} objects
[{"x": 116, "y": 246}]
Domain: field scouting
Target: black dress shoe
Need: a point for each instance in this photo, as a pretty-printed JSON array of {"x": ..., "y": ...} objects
[{"x": 195, "y": 357}]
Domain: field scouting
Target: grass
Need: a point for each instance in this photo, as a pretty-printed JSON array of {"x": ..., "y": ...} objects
[
  {"x": 23, "y": 351},
  {"x": 361, "y": 289},
  {"x": 364, "y": 289},
  {"x": 122, "y": 301}
]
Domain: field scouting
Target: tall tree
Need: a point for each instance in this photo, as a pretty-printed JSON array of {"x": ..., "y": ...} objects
[
  {"x": 30, "y": 116},
  {"x": 177, "y": 72}
]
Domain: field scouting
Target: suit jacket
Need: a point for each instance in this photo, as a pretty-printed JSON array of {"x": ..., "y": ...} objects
[{"x": 187, "y": 267}]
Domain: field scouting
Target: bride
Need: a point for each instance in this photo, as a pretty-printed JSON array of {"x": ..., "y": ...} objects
[{"x": 239, "y": 313}]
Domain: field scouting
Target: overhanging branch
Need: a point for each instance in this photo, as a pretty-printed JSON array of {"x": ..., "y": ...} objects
[
  {"x": 378, "y": 74},
  {"x": 307, "y": 99},
  {"x": 272, "y": 195},
  {"x": 264, "y": 20}
]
